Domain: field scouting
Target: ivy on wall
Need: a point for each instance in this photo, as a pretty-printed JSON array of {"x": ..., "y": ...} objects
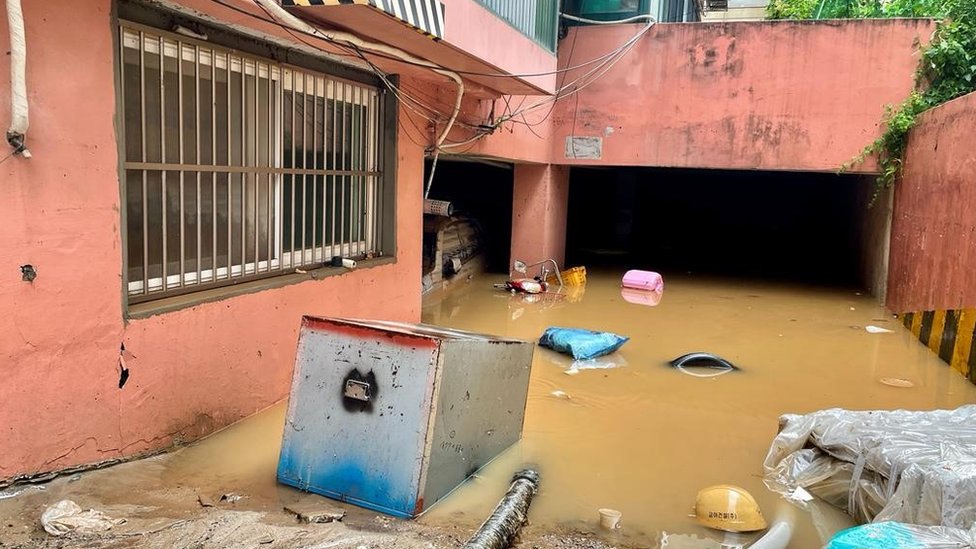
[{"x": 947, "y": 68}]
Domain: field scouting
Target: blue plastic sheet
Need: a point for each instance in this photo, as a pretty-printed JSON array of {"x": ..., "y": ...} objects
[{"x": 581, "y": 344}]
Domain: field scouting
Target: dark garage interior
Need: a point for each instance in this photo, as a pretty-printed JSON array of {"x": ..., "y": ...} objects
[
  {"x": 798, "y": 227},
  {"x": 481, "y": 191}
]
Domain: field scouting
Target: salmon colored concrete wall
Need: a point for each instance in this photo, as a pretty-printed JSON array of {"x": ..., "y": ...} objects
[
  {"x": 191, "y": 371},
  {"x": 779, "y": 95},
  {"x": 527, "y": 139},
  {"x": 473, "y": 28},
  {"x": 933, "y": 250},
  {"x": 539, "y": 212}
]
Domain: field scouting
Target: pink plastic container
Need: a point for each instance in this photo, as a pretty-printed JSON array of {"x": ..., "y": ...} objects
[{"x": 643, "y": 280}]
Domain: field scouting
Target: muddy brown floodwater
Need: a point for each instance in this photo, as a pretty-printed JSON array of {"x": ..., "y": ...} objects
[{"x": 641, "y": 438}]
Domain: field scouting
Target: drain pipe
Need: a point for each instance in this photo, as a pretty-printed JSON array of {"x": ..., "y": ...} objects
[
  {"x": 779, "y": 534},
  {"x": 17, "y": 133},
  {"x": 500, "y": 529}
]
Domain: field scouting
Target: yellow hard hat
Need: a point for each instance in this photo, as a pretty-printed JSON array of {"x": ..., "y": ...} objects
[{"x": 728, "y": 508}]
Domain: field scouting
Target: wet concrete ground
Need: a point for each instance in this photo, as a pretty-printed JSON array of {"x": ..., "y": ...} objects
[{"x": 641, "y": 438}]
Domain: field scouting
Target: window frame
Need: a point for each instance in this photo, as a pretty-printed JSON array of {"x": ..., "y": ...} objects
[{"x": 133, "y": 15}]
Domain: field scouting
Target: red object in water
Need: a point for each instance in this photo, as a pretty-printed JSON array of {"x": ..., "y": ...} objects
[
  {"x": 527, "y": 285},
  {"x": 643, "y": 280}
]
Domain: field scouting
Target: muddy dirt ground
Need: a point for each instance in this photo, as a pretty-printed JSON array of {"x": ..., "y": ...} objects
[{"x": 195, "y": 516}]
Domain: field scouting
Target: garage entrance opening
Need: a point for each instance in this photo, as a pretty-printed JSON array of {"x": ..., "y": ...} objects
[
  {"x": 798, "y": 227},
  {"x": 481, "y": 193}
]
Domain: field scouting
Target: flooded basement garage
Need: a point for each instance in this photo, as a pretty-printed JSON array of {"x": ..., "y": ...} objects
[
  {"x": 641, "y": 438},
  {"x": 793, "y": 226},
  {"x": 762, "y": 269}
]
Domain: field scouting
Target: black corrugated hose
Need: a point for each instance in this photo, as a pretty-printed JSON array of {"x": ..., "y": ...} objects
[{"x": 499, "y": 531}]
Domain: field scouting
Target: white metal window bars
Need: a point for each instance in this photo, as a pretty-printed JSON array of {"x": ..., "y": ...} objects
[{"x": 237, "y": 167}]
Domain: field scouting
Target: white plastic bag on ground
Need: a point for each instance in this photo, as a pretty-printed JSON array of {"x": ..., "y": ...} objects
[{"x": 66, "y": 516}]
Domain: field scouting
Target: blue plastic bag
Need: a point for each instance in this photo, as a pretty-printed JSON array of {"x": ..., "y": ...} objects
[
  {"x": 895, "y": 535},
  {"x": 581, "y": 344},
  {"x": 883, "y": 535}
]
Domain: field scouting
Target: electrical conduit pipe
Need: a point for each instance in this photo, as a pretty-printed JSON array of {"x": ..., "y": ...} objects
[{"x": 20, "y": 121}]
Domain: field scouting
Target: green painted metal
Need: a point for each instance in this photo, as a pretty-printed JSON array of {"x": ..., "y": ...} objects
[
  {"x": 537, "y": 19},
  {"x": 665, "y": 11}
]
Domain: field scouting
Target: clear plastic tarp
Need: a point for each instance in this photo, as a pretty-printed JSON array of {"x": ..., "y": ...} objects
[{"x": 909, "y": 467}]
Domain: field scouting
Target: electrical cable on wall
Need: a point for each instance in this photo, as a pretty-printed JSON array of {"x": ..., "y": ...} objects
[
  {"x": 354, "y": 46},
  {"x": 286, "y": 18}
]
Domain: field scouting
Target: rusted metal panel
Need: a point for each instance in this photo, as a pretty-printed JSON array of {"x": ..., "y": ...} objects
[{"x": 394, "y": 416}]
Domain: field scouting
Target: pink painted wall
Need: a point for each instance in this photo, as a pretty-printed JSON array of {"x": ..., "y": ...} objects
[
  {"x": 473, "y": 28},
  {"x": 192, "y": 370},
  {"x": 539, "y": 212},
  {"x": 527, "y": 139},
  {"x": 757, "y": 95},
  {"x": 933, "y": 250}
]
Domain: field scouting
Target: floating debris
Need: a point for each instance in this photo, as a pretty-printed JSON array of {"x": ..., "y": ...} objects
[
  {"x": 609, "y": 519},
  {"x": 897, "y": 382}
]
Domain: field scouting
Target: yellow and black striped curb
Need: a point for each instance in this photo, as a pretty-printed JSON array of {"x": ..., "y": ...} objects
[{"x": 948, "y": 334}]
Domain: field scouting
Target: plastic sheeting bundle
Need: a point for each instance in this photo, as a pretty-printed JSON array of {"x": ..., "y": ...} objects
[{"x": 909, "y": 467}]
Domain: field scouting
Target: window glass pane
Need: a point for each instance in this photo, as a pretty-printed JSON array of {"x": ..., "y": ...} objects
[
  {"x": 224, "y": 226},
  {"x": 236, "y": 113},
  {"x": 171, "y": 110},
  {"x": 132, "y": 91},
  {"x": 153, "y": 113},
  {"x": 191, "y": 222},
  {"x": 221, "y": 113},
  {"x": 189, "y": 126},
  {"x": 136, "y": 231},
  {"x": 154, "y": 222}
]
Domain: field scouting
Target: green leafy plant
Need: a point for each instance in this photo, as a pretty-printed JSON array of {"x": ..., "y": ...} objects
[{"x": 947, "y": 68}]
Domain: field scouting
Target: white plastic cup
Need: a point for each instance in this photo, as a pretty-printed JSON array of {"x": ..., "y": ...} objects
[
  {"x": 609, "y": 519},
  {"x": 348, "y": 263}
]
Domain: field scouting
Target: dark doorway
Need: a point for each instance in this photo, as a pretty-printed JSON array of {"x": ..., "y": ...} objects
[
  {"x": 482, "y": 191},
  {"x": 803, "y": 227}
]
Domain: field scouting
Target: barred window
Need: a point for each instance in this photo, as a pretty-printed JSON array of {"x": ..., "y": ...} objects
[{"x": 238, "y": 167}]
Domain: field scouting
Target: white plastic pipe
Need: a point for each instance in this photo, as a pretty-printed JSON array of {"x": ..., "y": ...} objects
[
  {"x": 779, "y": 534},
  {"x": 18, "y": 71},
  {"x": 777, "y": 537}
]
